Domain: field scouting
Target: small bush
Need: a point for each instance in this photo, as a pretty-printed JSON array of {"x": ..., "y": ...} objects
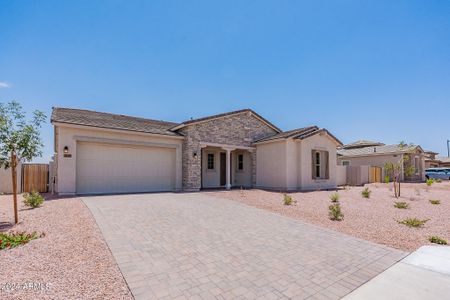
[
  {"x": 401, "y": 205},
  {"x": 366, "y": 193},
  {"x": 335, "y": 213},
  {"x": 14, "y": 239},
  {"x": 435, "y": 202},
  {"x": 287, "y": 200},
  {"x": 387, "y": 179},
  {"x": 437, "y": 240},
  {"x": 335, "y": 197},
  {"x": 413, "y": 222},
  {"x": 33, "y": 199},
  {"x": 429, "y": 182},
  {"x": 438, "y": 180}
]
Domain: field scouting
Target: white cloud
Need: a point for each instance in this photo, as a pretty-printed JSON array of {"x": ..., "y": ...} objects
[{"x": 4, "y": 85}]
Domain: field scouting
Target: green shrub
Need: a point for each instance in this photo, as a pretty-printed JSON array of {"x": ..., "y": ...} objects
[
  {"x": 413, "y": 222},
  {"x": 335, "y": 197},
  {"x": 429, "y": 182},
  {"x": 33, "y": 199},
  {"x": 401, "y": 205},
  {"x": 335, "y": 212},
  {"x": 14, "y": 239},
  {"x": 437, "y": 240},
  {"x": 287, "y": 200},
  {"x": 366, "y": 193},
  {"x": 387, "y": 179},
  {"x": 438, "y": 180},
  {"x": 435, "y": 202}
]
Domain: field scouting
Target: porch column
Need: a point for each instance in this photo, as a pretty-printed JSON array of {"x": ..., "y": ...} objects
[{"x": 228, "y": 182}]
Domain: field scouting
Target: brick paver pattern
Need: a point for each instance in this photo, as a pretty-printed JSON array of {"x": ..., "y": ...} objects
[{"x": 195, "y": 246}]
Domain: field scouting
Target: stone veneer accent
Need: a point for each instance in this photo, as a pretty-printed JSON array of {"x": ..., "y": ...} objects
[{"x": 239, "y": 129}]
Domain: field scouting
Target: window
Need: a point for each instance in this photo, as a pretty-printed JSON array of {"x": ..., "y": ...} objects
[
  {"x": 346, "y": 163},
  {"x": 240, "y": 162},
  {"x": 210, "y": 161},
  {"x": 317, "y": 170},
  {"x": 320, "y": 164}
]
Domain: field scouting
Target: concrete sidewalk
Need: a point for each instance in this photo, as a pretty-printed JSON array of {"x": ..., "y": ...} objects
[{"x": 425, "y": 274}]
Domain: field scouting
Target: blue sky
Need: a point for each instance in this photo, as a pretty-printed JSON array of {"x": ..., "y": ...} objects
[{"x": 376, "y": 70}]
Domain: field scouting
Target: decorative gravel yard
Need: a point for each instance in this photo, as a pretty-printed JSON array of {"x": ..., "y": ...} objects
[
  {"x": 375, "y": 218},
  {"x": 69, "y": 261}
]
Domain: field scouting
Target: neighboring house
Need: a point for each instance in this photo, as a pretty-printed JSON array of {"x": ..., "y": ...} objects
[
  {"x": 444, "y": 162},
  {"x": 375, "y": 154},
  {"x": 107, "y": 153},
  {"x": 430, "y": 160}
]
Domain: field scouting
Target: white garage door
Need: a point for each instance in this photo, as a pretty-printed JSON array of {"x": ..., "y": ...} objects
[{"x": 107, "y": 168}]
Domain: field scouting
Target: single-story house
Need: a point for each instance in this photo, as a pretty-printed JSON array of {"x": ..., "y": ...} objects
[
  {"x": 99, "y": 152},
  {"x": 376, "y": 154}
]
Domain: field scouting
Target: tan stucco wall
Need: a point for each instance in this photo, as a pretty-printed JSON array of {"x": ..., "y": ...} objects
[
  {"x": 211, "y": 178},
  {"x": 286, "y": 164},
  {"x": 271, "y": 165},
  {"x": 380, "y": 160},
  {"x": 242, "y": 177},
  {"x": 6, "y": 180},
  {"x": 316, "y": 142},
  {"x": 69, "y": 135}
]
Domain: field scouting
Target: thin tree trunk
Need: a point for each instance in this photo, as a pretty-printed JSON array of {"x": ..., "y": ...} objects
[
  {"x": 14, "y": 184},
  {"x": 395, "y": 186},
  {"x": 399, "y": 188}
]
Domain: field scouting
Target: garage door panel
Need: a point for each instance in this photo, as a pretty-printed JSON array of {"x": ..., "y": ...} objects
[{"x": 105, "y": 168}]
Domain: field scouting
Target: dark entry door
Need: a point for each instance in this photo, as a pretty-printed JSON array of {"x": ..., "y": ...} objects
[{"x": 223, "y": 169}]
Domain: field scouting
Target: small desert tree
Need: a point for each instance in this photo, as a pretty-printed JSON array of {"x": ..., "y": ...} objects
[
  {"x": 20, "y": 141},
  {"x": 395, "y": 170}
]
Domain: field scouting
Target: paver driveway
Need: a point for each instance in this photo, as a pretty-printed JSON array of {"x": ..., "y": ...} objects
[{"x": 197, "y": 246}]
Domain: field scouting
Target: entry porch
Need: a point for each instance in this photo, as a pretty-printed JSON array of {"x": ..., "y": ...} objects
[{"x": 226, "y": 166}]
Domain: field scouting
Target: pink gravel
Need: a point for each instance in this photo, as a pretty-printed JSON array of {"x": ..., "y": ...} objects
[
  {"x": 72, "y": 258},
  {"x": 371, "y": 219}
]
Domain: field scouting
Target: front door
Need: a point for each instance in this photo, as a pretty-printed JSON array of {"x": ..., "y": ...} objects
[{"x": 223, "y": 169}]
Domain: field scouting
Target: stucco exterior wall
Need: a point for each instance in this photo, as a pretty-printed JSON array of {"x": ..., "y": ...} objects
[
  {"x": 286, "y": 164},
  {"x": 6, "y": 180},
  {"x": 69, "y": 135},
  {"x": 271, "y": 165},
  {"x": 341, "y": 175},
  {"x": 240, "y": 130},
  {"x": 322, "y": 143},
  {"x": 242, "y": 177},
  {"x": 211, "y": 178},
  {"x": 380, "y": 160}
]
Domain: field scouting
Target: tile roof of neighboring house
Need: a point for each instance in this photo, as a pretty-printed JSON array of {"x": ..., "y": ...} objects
[
  {"x": 300, "y": 133},
  {"x": 189, "y": 122},
  {"x": 362, "y": 144},
  {"x": 111, "y": 121},
  {"x": 377, "y": 150},
  {"x": 443, "y": 159}
]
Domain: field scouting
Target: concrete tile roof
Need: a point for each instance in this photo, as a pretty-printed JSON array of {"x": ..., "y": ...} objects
[
  {"x": 376, "y": 150},
  {"x": 361, "y": 144},
  {"x": 111, "y": 121}
]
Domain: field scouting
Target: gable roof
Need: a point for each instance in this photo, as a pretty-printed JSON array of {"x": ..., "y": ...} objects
[
  {"x": 378, "y": 150},
  {"x": 300, "y": 133},
  {"x": 362, "y": 144},
  {"x": 222, "y": 115},
  {"x": 111, "y": 121}
]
